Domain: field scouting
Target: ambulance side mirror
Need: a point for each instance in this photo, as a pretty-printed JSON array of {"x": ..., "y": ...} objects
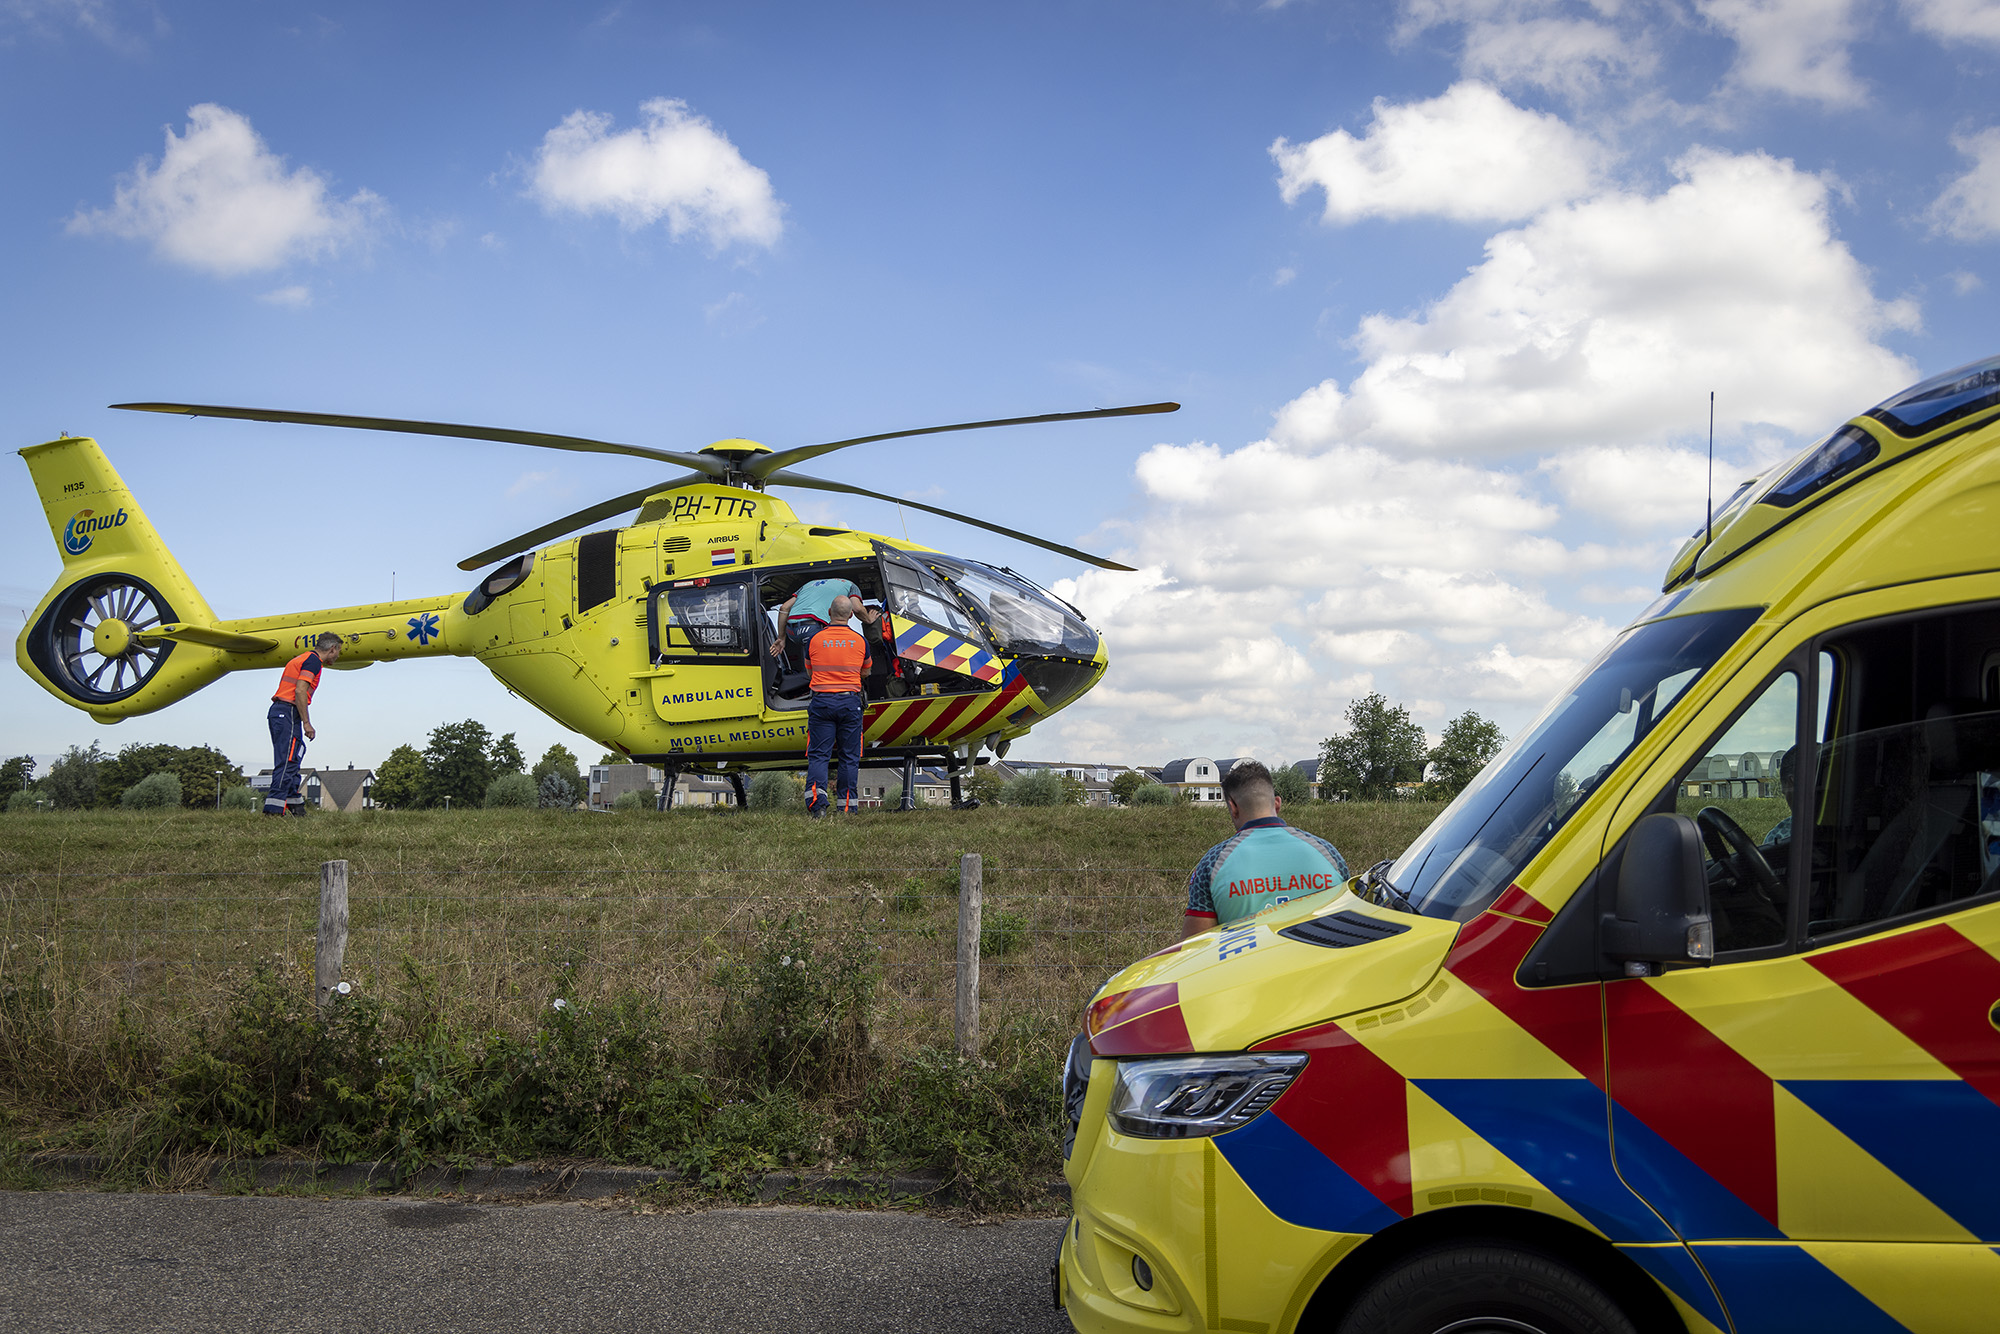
[{"x": 1661, "y": 911}]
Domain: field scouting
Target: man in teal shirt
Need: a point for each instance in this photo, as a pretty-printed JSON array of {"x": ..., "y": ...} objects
[
  {"x": 1266, "y": 863},
  {"x": 815, "y": 606}
]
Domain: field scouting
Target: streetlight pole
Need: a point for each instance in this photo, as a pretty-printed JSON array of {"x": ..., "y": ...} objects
[
  {"x": 447, "y": 803},
  {"x": 218, "y": 788}
]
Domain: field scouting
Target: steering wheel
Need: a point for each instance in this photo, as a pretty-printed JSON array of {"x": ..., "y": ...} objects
[{"x": 1733, "y": 849}]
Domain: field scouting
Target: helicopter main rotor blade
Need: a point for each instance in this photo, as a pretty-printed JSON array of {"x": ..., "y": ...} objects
[
  {"x": 699, "y": 462},
  {"x": 785, "y": 478},
  {"x": 765, "y": 465},
  {"x": 583, "y": 518}
]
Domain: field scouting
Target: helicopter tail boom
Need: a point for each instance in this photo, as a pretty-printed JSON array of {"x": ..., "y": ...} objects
[{"x": 124, "y": 631}]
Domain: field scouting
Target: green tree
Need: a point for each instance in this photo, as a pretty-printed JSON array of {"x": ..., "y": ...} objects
[
  {"x": 15, "y": 775},
  {"x": 1380, "y": 748},
  {"x": 983, "y": 784},
  {"x": 774, "y": 791},
  {"x": 1037, "y": 787},
  {"x": 455, "y": 764},
  {"x": 505, "y": 757},
  {"x": 557, "y": 761},
  {"x": 1290, "y": 785},
  {"x": 1154, "y": 794},
  {"x": 1074, "y": 793},
  {"x": 399, "y": 780},
  {"x": 154, "y": 792},
  {"x": 1125, "y": 784},
  {"x": 1469, "y": 743},
  {"x": 511, "y": 789},
  {"x": 195, "y": 766},
  {"x": 71, "y": 784}
]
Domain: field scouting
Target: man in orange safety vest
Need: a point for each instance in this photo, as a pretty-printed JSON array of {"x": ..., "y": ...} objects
[
  {"x": 837, "y": 657},
  {"x": 290, "y": 717}
]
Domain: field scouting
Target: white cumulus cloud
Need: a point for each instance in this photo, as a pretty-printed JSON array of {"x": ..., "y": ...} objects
[
  {"x": 219, "y": 200},
  {"x": 1563, "y": 47},
  {"x": 1969, "y": 208},
  {"x": 1795, "y": 47},
  {"x": 1468, "y": 154},
  {"x": 1432, "y": 528},
  {"x": 676, "y": 166},
  {"x": 1956, "y": 20},
  {"x": 1608, "y": 321}
]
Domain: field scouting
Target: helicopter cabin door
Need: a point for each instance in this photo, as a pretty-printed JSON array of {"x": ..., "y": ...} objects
[
  {"x": 940, "y": 650},
  {"x": 705, "y": 642}
]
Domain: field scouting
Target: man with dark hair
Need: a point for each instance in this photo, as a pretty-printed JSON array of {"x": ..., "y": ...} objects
[
  {"x": 290, "y": 717},
  {"x": 1266, "y": 862}
]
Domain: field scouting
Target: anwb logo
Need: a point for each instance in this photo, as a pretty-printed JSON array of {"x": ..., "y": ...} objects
[{"x": 76, "y": 533}]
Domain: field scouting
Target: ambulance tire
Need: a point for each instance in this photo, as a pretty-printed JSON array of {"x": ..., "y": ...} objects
[{"x": 1484, "y": 1288}]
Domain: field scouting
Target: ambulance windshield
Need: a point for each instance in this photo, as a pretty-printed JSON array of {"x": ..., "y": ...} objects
[
  {"x": 1942, "y": 399},
  {"x": 1504, "y": 817}
]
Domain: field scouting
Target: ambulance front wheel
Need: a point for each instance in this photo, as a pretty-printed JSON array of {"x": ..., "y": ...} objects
[{"x": 1484, "y": 1288}]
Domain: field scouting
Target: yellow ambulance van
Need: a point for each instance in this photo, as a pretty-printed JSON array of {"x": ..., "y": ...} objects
[{"x": 1684, "y": 1016}]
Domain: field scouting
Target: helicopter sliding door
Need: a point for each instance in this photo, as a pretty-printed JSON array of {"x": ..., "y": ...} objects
[{"x": 705, "y": 640}]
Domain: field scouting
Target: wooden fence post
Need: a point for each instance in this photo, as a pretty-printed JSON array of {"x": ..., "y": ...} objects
[
  {"x": 332, "y": 930},
  {"x": 971, "y": 894}
]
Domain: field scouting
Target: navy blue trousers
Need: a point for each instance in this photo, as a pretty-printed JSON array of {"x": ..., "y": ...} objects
[
  {"x": 288, "y": 749},
  {"x": 833, "y": 725}
]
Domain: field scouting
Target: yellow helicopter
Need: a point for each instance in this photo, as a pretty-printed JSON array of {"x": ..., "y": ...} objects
[{"x": 658, "y": 640}]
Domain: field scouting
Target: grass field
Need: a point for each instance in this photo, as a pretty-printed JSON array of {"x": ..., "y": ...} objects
[{"x": 144, "y": 956}]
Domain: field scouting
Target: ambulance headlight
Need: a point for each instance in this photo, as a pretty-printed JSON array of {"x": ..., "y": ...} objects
[{"x": 1183, "y": 1097}]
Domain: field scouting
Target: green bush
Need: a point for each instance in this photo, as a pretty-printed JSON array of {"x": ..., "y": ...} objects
[
  {"x": 511, "y": 790},
  {"x": 634, "y": 800},
  {"x": 24, "y": 800},
  {"x": 556, "y": 793},
  {"x": 241, "y": 799},
  {"x": 1154, "y": 794},
  {"x": 771, "y": 790},
  {"x": 1040, "y": 787},
  {"x": 154, "y": 792},
  {"x": 1001, "y": 933},
  {"x": 795, "y": 1012}
]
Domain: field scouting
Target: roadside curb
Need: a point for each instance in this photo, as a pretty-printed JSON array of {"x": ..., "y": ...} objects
[{"x": 573, "y": 1181}]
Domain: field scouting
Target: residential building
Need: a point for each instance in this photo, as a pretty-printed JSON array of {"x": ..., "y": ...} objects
[
  {"x": 608, "y": 782},
  {"x": 1198, "y": 777},
  {"x": 348, "y": 789}
]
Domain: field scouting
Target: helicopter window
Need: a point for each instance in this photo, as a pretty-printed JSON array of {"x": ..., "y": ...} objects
[
  {"x": 917, "y": 596},
  {"x": 1022, "y": 616},
  {"x": 706, "y": 618},
  {"x": 596, "y": 569},
  {"x": 502, "y": 580}
]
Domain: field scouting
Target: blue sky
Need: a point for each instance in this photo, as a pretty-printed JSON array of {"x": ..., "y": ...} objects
[{"x": 1443, "y": 287}]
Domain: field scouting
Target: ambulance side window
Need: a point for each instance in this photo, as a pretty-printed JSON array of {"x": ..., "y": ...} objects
[
  {"x": 1906, "y": 804},
  {"x": 1740, "y": 792},
  {"x": 713, "y": 618}
]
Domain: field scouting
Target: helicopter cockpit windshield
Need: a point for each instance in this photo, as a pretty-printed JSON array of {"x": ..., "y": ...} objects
[{"x": 1022, "y": 617}]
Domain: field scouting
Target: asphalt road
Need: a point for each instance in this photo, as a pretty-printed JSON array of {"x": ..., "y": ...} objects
[{"x": 78, "y": 1260}]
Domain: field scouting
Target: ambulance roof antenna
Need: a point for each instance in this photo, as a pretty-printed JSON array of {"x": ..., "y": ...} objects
[{"x": 1710, "y": 525}]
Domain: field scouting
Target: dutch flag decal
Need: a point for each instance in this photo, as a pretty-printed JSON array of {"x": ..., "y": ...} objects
[{"x": 721, "y": 556}]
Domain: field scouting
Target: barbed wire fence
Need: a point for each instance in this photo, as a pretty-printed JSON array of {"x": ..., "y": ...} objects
[{"x": 958, "y": 949}]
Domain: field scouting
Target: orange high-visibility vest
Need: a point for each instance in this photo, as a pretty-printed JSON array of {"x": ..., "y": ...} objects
[
  {"x": 837, "y": 656},
  {"x": 297, "y": 670}
]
